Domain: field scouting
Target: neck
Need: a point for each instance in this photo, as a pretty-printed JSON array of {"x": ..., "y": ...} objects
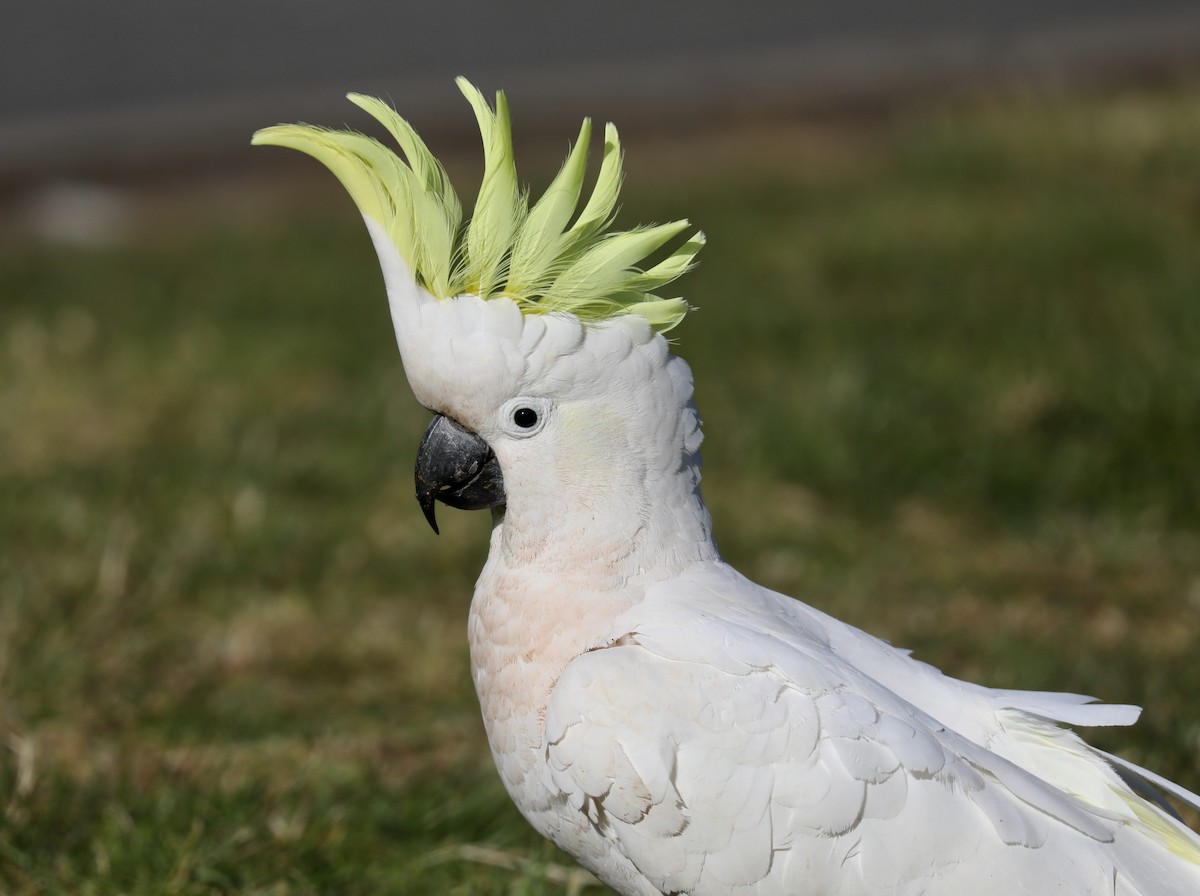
[
  {"x": 557, "y": 585},
  {"x": 626, "y": 527}
]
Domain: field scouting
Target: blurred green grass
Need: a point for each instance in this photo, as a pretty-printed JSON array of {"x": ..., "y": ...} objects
[{"x": 950, "y": 373}]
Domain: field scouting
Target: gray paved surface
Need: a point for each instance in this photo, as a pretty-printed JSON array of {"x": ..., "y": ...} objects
[{"x": 146, "y": 80}]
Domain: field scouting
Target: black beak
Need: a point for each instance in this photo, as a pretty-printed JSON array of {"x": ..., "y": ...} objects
[{"x": 456, "y": 467}]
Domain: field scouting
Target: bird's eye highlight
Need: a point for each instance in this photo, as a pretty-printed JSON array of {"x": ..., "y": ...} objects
[{"x": 525, "y": 417}]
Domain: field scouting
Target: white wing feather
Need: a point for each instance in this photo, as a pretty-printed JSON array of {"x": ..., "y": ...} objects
[{"x": 730, "y": 740}]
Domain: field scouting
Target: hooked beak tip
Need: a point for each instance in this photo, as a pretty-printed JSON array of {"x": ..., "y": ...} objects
[{"x": 428, "y": 505}]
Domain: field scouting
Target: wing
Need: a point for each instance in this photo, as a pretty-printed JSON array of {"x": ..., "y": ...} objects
[
  {"x": 721, "y": 759},
  {"x": 1021, "y": 727}
]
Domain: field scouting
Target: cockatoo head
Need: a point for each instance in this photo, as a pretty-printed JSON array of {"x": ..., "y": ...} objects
[{"x": 531, "y": 331}]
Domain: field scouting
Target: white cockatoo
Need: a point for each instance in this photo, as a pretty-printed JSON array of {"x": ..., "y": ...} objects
[{"x": 675, "y": 727}]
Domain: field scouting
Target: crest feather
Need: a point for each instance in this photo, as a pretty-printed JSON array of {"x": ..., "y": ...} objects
[{"x": 535, "y": 256}]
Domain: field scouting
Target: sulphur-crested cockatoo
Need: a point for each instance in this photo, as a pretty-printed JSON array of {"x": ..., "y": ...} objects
[{"x": 674, "y": 726}]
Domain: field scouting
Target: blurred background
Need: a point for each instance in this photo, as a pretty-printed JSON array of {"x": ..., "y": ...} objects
[{"x": 945, "y": 347}]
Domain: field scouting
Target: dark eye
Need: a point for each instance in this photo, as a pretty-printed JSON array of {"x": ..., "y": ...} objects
[{"x": 526, "y": 418}]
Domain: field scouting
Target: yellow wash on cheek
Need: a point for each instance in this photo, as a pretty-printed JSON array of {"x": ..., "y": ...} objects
[{"x": 592, "y": 446}]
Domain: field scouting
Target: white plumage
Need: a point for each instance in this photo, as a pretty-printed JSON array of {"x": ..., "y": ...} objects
[
  {"x": 681, "y": 730},
  {"x": 762, "y": 758}
]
